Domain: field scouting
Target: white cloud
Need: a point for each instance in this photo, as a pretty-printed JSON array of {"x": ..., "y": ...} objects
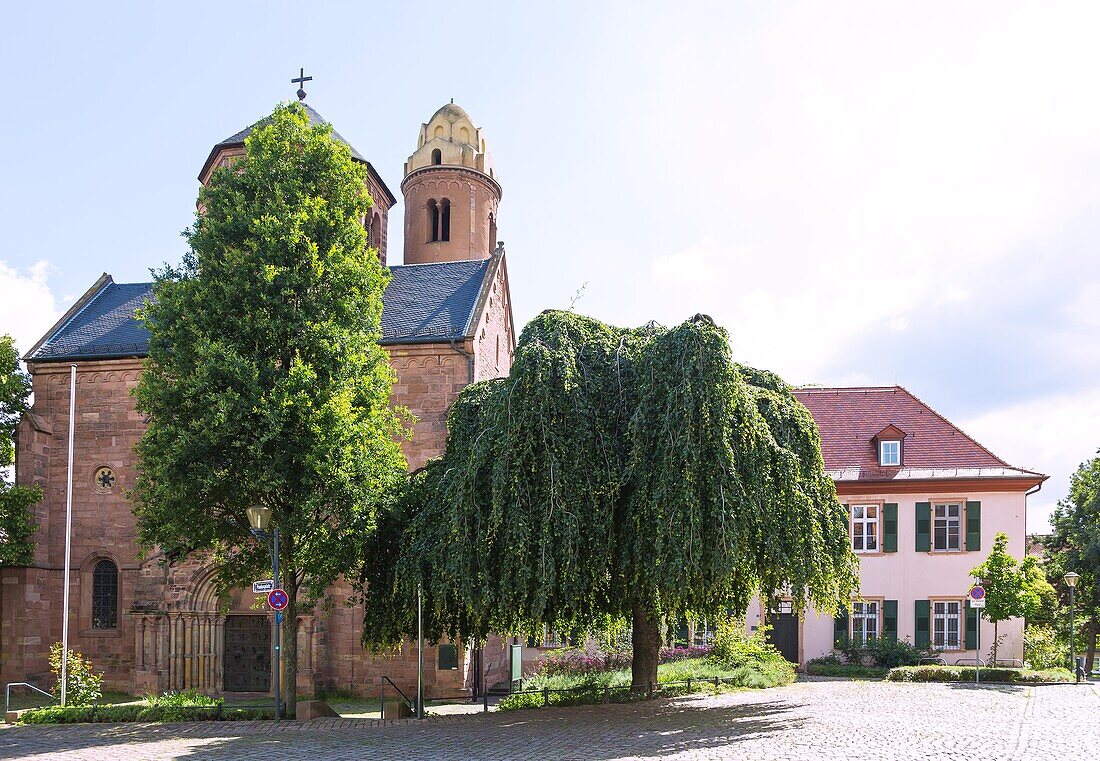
[
  {"x": 27, "y": 307},
  {"x": 1051, "y": 435}
]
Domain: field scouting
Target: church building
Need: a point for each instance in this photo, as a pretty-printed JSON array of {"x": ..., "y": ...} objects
[{"x": 152, "y": 625}]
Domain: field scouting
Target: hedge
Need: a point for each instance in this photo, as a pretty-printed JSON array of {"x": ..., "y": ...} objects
[
  {"x": 849, "y": 670},
  {"x": 966, "y": 674},
  {"x": 111, "y": 714}
]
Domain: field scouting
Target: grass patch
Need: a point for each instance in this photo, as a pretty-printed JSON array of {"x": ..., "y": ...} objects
[
  {"x": 614, "y": 686},
  {"x": 22, "y": 698},
  {"x": 966, "y": 674},
  {"x": 846, "y": 670}
]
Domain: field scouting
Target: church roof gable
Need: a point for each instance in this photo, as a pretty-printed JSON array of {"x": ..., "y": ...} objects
[{"x": 423, "y": 303}]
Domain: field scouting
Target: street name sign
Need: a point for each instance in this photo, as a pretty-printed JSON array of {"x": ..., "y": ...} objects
[{"x": 263, "y": 587}]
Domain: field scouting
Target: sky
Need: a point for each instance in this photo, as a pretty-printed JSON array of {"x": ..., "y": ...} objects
[{"x": 862, "y": 193}]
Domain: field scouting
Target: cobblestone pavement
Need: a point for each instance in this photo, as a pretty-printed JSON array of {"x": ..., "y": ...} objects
[{"x": 808, "y": 720}]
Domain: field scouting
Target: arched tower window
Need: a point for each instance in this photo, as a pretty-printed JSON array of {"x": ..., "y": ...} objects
[
  {"x": 492, "y": 232},
  {"x": 437, "y": 157},
  {"x": 105, "y": 595},
  {"x": 445, "y": 222},
  {"x": 433, "y": 221}
]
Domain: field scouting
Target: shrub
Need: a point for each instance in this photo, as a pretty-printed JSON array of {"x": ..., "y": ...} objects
[
  {"x": 83, "y": 686},
  {"x": 577, "y": 662},
  {"x": 112, "y": 714},
  {"x": 885, "y": 653},
  {"x": 831, "y": 665},
  {"x": 182, "y": 698},
  {"x": 670, "y": 654},
  {"x": 1044, "y": 648},
  {"x": 966, "y": 674}
]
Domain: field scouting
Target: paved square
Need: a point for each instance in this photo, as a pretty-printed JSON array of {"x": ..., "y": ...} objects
[{"x": 808, "y": 720}]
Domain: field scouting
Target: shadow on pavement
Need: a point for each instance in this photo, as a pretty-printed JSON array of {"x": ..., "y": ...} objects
[{"x": 604, "y": 732}]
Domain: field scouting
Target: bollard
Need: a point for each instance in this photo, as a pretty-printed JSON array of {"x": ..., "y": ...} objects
[
  {"x": 485, "y": 702},
  {"x": 650, "y": 685},
  {"x": 606, "y": 694},
  {"x": 715, "y": 683},
  {"x": 546, "y": 696},
  {"x": 689, "y": 685}
]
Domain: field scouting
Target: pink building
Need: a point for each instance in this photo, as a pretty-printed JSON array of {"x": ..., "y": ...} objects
[{"x": 925, "y": 502}]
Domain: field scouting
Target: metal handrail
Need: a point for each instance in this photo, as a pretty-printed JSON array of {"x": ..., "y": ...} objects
[
  {"x": 382, "y": 697},
  {"x": 7, "y": 695},
  {"x": 970, "y": 662},
  {"x": 1015, "y": 663},
  {"x": 932, "y": 661}
]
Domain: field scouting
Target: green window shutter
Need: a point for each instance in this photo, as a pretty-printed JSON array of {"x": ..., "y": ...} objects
[
  {"x": 890, "y": 527},
  {"x": 971, "y": 628},
  {"x": 890, "y": 620},
  {"x": 924, "y": 527},
  {"x": 840, "y": 627},
  {"x": 973, "y": 526},
  {"x": 922, "y": 634}
]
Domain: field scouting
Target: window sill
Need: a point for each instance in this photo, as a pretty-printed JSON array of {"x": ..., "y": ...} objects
[{"x": 108, "y": 633}]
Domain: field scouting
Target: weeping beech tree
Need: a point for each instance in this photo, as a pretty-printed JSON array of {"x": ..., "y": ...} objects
[{"x": 634, "y": 473}]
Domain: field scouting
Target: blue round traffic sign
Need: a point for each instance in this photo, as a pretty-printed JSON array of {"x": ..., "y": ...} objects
[
  {"x": 977, "y": 593},
  {"x": 277, "y": 599}
]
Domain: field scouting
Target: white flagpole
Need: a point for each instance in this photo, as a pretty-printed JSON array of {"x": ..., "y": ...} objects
[{"x": 68, "y": 540}]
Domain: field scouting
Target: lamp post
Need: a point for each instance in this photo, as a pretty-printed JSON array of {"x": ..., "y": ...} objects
[
  {"x": 1071, "y": 582},
  {"x": 259, "y": 518}
]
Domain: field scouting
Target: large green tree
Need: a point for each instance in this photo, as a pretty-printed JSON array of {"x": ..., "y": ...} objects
[
  {"x": 16, "y": 520},
  {"x": 640, "y": 474},
  {"x": 1014, "y": 589},
  {"x": 265, "y": 383},
  {"x": 1074, "y": 545}
]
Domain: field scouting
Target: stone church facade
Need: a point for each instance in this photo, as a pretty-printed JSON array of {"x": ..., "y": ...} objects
[{"x": 152, "y": 625}]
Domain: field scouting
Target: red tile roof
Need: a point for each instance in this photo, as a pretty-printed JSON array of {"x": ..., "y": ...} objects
[{"x": 848, "y": 420}]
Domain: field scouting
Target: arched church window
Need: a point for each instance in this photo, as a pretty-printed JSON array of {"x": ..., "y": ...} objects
[
  {"x": 433, "y": 221},
  {"x": 437, "y": 157},
  {"x": 445, "y": 222},
  {"x": 105, "y": 595},
  {"x": 439, "y": 130},
  {"x": 376, "y": 232},
  {"x": 464, "y": 135}
]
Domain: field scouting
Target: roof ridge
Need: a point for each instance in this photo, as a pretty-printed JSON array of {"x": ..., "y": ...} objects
[
  {"x": 75, "y": 311},
  {"x": 966, "y": 435}
]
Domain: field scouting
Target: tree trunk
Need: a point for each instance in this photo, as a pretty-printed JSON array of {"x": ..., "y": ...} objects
[
  {"x": 995, "y": 641},
  {"x": 646, "y": 639},
  {"x": 290, "y": 639},
  {"x": 1090, "y": 656}
]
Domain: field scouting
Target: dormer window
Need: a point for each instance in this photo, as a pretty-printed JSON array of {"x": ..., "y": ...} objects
[
  {"x": 888, "y": 441},
  {"x": 889, "y": 453}
]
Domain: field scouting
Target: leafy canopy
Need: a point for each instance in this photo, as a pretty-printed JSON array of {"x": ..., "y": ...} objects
[
  {"x": 265, "y": 382},
  {"x": 16, "y": 521},
  {"x": 1013, "y": 589},
  {"x": 613, "y": 468},
  {"x": 1074, "y": 544}
]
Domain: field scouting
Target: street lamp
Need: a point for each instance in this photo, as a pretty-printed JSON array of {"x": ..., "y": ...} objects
[
  {"x": 1071, "y": 582},
  {"x": 259, "y": 518}
]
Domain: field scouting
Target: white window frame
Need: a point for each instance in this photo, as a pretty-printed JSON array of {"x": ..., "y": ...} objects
[
  {"x": 866, "y": 528},
  {"x": 952, "y": 526},
  {"x": 945, "y": 613},
  {"x": 866, "y": 613},
  {"x": 893, "y": 447}
]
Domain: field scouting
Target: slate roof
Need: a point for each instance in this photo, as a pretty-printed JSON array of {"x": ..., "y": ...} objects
[
  {"x": 423, "y": 303},
  {"x": 848, "y": 419},
  {"x": 314, "y": 119}
]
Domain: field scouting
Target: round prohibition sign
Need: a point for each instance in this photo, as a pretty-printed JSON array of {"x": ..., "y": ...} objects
[
  {"x": 277, "y": 599},
  {"x": 977, "y": 593}
]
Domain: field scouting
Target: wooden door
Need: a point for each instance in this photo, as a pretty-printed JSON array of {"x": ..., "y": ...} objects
[{"x": 247, "y": 654}]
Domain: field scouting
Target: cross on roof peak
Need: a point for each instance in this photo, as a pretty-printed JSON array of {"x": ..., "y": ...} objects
[{"x": 300, "y": 80}]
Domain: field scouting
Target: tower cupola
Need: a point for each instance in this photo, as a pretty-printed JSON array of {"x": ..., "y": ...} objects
[{"x": 451, "y": 192}]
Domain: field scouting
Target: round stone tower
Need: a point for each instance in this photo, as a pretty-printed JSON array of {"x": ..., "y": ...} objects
[{"x": 451, "y": 195}]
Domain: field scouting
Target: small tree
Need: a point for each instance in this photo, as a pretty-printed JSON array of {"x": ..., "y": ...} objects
[
  {"x": 83, "y": 685},
  {"x": 1074, "y": 545},
  {"x": 16, "y": 520},
  {"x": 638, "y": 474},
  {"x": 1012, "y": 589},
  {"x": 265, "y": 383}
]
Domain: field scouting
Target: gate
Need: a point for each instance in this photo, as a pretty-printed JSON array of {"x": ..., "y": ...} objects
[{"x": 247, "y": 654}]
